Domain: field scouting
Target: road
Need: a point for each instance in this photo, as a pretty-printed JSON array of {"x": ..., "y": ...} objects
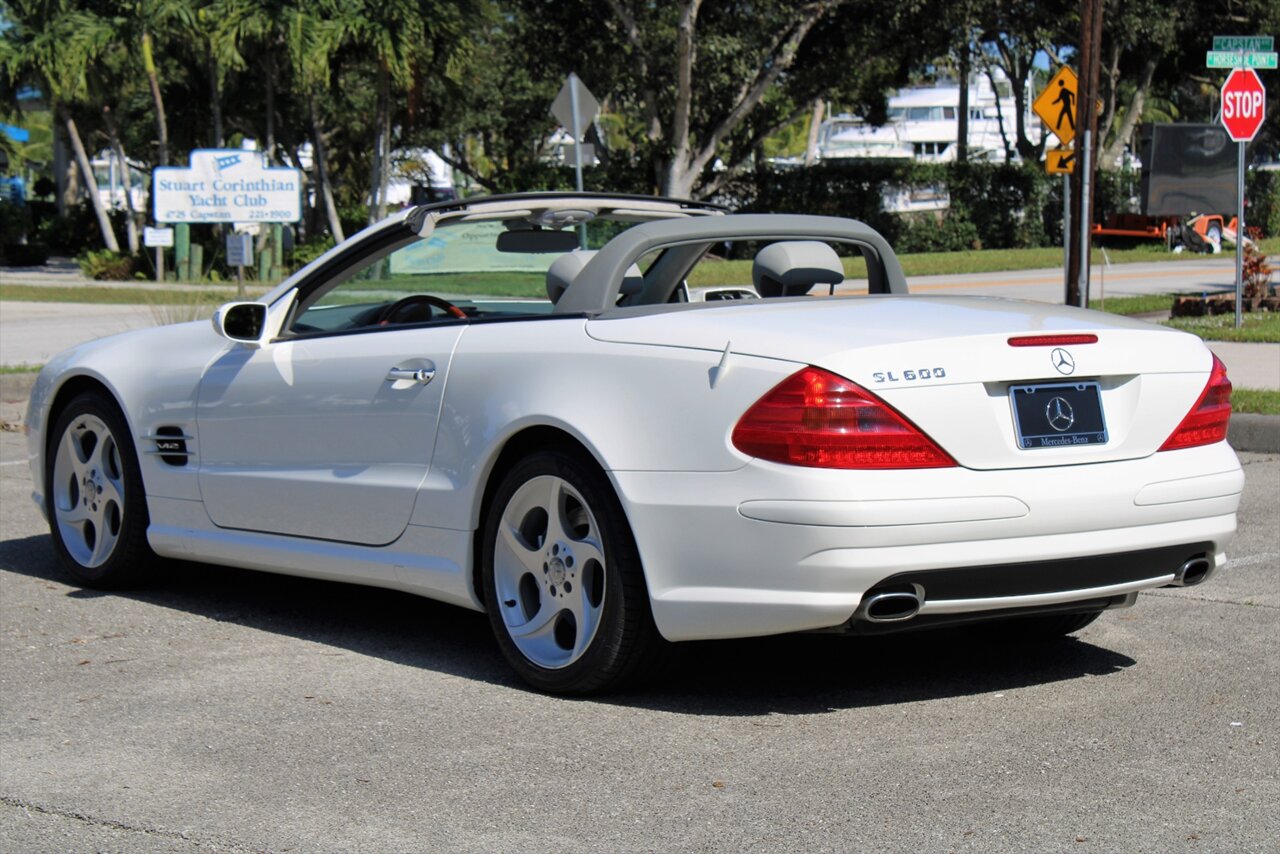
[{"x": 226, "y": 710}]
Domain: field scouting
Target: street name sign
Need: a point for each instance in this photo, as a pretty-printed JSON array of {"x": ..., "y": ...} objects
[
  {"x": 227, "y": 185},
  {"x": 1244, "y": 104},
  {"x": 1236, "y": 59},
  {"x": 1247, "y": 44}
]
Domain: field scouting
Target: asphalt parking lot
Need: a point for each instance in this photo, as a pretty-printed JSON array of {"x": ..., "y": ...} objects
[{"x": 227, "y": 710}]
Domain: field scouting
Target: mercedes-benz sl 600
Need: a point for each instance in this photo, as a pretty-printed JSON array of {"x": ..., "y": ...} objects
[{"x": 712, "y": 426}]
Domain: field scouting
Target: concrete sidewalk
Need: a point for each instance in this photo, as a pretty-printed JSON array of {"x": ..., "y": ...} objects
[{"x": 1250, "y": 365}]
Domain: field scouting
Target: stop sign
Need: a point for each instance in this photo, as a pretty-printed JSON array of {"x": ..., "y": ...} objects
[{"x": 1244, "y": 104}]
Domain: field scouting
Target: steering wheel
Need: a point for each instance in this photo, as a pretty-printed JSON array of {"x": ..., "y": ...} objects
[{"x": 399, "y": 311}]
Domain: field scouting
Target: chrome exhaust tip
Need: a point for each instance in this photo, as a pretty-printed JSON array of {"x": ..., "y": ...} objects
[
  {"x": 891, "y": 606},
  {"x": 1194, "y": 571}
]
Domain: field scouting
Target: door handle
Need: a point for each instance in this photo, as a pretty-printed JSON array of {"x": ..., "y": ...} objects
[{"x": 416, "y": 375}]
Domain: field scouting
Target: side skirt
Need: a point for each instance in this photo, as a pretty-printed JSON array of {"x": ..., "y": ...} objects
[{"x": 431, "y": 562}]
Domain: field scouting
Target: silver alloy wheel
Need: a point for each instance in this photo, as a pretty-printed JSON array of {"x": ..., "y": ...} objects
[
  {"x": 549, "y": 572},
  {"x": 88, "y": 490}
]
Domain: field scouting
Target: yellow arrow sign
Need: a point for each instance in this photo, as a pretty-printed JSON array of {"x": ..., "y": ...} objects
[
  {"x": 1056, "y": 105},
  {"x": 1060, "y": 161}
]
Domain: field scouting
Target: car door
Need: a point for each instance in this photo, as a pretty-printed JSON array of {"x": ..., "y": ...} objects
[{"x": 327, "y": 432}]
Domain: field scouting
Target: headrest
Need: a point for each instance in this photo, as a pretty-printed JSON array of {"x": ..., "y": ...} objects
[
  {"x": 564, "y": 269},
  {"x": 792, "y": 267}
]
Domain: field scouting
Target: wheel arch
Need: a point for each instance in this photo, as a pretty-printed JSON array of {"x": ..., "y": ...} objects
[
  {"x": 519, "y": 445},
  {"x": 71, "y": 388}
]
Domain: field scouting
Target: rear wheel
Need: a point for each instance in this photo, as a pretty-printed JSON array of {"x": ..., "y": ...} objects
[
  {"x": 562, "y": 578},
  {"x": 93, "y": 496}
]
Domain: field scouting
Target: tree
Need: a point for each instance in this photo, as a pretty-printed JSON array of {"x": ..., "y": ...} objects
[
  {"x": 148, "y": 18},
  {"x": 1151, "y": 55},
  {"x": 1014, "y": 33},
  {"x": 391, "y": 31},
  {"x": 312, "y": 41},
  {"x": 256, "y": 27},
  {"x": 712, "y": 80},
  {"x": 54, "y": 45}
]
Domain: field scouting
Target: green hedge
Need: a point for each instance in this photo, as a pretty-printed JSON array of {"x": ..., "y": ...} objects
[
  {"x": 993, "y": 206},
  {"x": 1262, "y": 194}
]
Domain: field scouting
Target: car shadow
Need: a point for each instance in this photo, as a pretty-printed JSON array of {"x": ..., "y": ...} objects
[
  {"x": 809, "y": 673},
  {"x": 792, "y": 674},
  {"x": 398, "y": 627}
]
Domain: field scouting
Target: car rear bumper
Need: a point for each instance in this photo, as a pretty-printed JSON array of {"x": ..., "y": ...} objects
[{"x": 770, "y": 549}]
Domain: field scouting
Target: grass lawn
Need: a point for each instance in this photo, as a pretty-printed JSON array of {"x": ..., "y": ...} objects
[
  {"x": 143, "y": 295},
  {"x": 1129, "y": 306},
  {"x": 1258, "y": 327},
  {"x": 1260, "y": 401},
  {"x": 942, "y": 263}
]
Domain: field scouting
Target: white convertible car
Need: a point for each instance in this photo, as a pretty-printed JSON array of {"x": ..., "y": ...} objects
[{"x": 633, "y": 461}]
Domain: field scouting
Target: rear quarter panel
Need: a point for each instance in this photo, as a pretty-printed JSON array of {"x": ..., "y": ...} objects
[{"x": 635, "y": 407}]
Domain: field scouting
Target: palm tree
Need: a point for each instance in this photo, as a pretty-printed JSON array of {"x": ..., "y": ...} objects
[
  {"x": 256, "y": 24},
  {"x": 392, "y": 32},
  {"x": 54, "y": 45},
  {"x": 313, "y": 34},
  {"x": 146, "y": 20}
]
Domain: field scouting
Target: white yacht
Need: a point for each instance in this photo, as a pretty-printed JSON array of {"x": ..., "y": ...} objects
[{"x": 923, "y": 124}]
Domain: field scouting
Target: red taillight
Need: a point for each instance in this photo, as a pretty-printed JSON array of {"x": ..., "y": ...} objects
[
  {"x": 1206, "y": 423},
  {"x": 815, "y": 418},
  {"x": 1051, "y": 340}
]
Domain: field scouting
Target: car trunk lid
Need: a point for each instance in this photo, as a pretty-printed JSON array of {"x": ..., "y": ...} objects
[{"x": 946, "y": 363}]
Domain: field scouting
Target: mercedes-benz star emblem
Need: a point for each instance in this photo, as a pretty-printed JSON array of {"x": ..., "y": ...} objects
[
  {"x": 1060, "y": 415},
  {"x": 1062, "y": 361}
]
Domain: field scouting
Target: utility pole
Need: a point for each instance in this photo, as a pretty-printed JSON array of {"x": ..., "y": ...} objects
[{"x": 1086, "y": 124}]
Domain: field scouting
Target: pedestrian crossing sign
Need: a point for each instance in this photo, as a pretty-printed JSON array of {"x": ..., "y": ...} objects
[{"x": 1056, "y": 105}]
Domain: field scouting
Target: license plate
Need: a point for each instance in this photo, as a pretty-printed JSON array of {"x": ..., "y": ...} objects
[{"x": 1058, "y": 415}]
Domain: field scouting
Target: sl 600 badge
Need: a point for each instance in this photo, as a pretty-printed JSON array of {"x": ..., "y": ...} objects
[{"x": 909, "y": 375}]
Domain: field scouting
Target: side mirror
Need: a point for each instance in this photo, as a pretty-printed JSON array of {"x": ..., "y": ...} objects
[{"x": 241, "y": 321}]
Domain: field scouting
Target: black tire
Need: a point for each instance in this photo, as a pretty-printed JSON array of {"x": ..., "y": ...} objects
[
  {"x": 553, "y": 523},
  {"x": 94, "y": 500}
]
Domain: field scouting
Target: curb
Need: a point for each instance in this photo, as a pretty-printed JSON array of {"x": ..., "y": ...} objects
[
  {"x": 1257, "y": 433},
  {"x": 1247, "y": 432}
]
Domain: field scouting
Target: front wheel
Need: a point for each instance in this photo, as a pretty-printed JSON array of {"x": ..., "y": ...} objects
[
  {"x": 562, "y": 579},
  {"x": 93, "y": 496}
]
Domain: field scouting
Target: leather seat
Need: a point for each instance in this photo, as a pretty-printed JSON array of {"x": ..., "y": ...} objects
[{"x": 791, "y": 268}]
